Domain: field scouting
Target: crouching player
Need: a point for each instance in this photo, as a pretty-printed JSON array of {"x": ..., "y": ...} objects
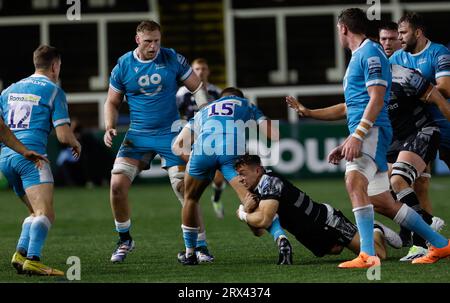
[
  {"x": 318, "y": 226},
  {"x": 211, "y": 125}
]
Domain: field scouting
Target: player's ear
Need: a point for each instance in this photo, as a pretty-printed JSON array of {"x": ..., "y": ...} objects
[
  {"x": 54, "y": 66},
  {"x": 138, "y": 40},
  {"x": 418, "y": 32}
]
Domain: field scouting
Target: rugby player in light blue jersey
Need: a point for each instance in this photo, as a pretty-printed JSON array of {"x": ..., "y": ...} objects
[
  {"x": 31, "y": 108},
  {"x": 368, "y": 164},
  {"x": 367, "y": 83},
  {"x": 433, "y": 62},
  {"x": 148, "y": 78},
  {"x": 187, "y": 107},
  {"x": 224, "y": 151}
]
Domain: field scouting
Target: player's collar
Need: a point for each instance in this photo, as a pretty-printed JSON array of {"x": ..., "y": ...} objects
[
  {"x": 39, "y": 76},
  {"x": 263, "y": 177},
  {"x": 424, "y": 49},
  {"x": 144, "y": 61},
  {"x": 364, "y": 42}
]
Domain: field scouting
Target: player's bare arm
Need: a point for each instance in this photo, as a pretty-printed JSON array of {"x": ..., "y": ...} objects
[
  {"x": 10, "y": 140},
  {"x": 272, "y": 133},
  {"x": 433, "y": 95},
  {"x": 262, "y": 216},
  {"x": 66, "y": 136},
  {"x": 443, "y": 85},
  {"x": 112, "y": 104},
  {"x": 331, "y": 113},
  {"x": 183, "y": 143},
  {"x": 197, "y": 88}
]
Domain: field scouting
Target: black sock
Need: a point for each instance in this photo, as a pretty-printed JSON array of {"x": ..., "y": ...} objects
[
  {"x": 34, "y": 258},
  {"x": 217, "y": 194},
  {"x": 125, "y": 236},
  {"x": 426, "y": 216},
  {"x": 405, "y": 235},
  {"x": 22, "y": 252},
  {"x": 393, "y": 194},
  {"x": 412, "y": 201}
]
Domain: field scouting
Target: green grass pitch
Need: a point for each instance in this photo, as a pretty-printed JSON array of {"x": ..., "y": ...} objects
[{"x": 84, "y": 228}]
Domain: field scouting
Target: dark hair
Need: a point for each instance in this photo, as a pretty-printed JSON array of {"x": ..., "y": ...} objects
[
  {"x": 355, "y": 19},
  {"x": 232, "y": 91},
  {"x": 148, "y": 25},
  {"x": 247, "y": 160},
  {"x": 44, "y": 56},
  {"x": 389, "y": 26},
  {"x": 414, "y": 19}
]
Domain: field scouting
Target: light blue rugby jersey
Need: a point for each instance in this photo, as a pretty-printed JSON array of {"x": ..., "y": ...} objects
[
  {"x": 216, "y": 120},
  {"x": 150, "y": 88},
  {"x": 258, "y": 116},
  {"x": 433, "y": 62},
  {"x": 30, "y": 108},
  {"x": 368, "y": 66}
]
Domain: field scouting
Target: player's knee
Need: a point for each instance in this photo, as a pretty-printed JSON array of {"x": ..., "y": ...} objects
[
  {"x": 336, "y": 249},
  {"x": 403, "y": 174},
  {"x": 398, "y": 183},
  {"x": 126, "y": 169},
  {"x": 46, "y": 212},
  {"x": 354, "y": 186},
  {"x": 117, "y": 188},
  {"x": 421, "y": 185},
  {"x": 176, "y": 176}
]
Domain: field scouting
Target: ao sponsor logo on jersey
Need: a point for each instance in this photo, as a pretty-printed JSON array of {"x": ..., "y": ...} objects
[{"x": 146, "y": 80}]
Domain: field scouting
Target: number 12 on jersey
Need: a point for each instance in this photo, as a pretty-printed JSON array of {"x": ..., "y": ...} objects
[{"x": 19, "y": 115}]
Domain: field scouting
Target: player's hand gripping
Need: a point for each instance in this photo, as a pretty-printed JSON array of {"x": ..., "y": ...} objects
[
  {"x": 109, "y": 135},
  {"x": 335, "y": 156},
  {"x": 297, "y": 106},
  {"x": 250, "y": 202},
  {"x": 351, "y": 149}
]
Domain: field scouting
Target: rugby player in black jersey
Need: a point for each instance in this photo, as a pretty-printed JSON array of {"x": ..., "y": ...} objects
[{"x": 318, "y": 226}]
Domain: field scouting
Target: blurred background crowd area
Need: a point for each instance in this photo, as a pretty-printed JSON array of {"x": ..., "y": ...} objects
[{"x": 268, "y": 48}]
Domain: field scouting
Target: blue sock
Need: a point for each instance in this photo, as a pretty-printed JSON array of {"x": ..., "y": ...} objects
[
  {"x": 364, "y": 221},
  {"x": 38, "y": 233},
  {"x": 408, "y": 218},
  {"x": 275, "y": 229},
  {"x": 24, "y": 239},
  {"x": 201, "y": 239},
  {"x": 122, "y": 227},
  {"x": 190, "y": 238}
]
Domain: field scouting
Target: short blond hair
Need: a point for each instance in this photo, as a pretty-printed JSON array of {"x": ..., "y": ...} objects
[
  {"x": 148, "y": 25},
  {"x": 200, "y": 61}
]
